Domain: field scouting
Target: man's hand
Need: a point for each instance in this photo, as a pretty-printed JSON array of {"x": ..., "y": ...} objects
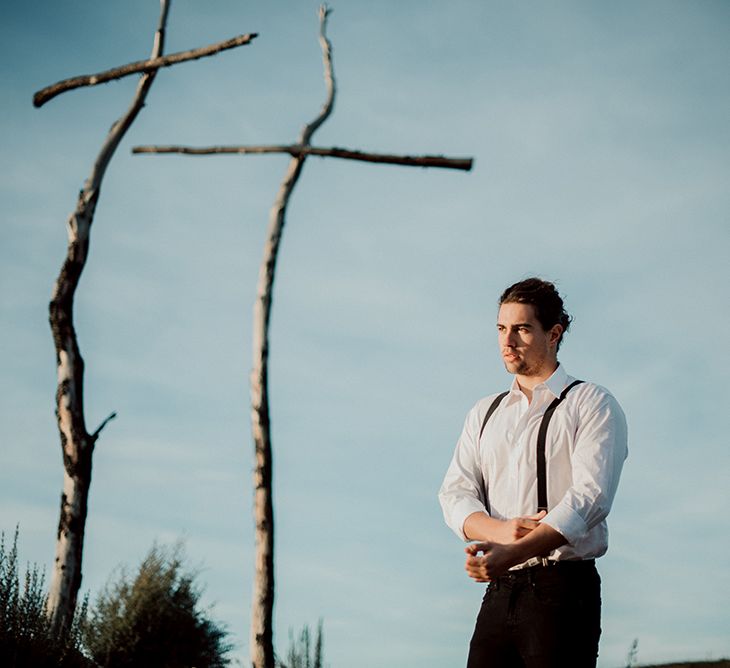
[
  {"x": 496, "y": 560},
  {"x": 480, "y": 526}
]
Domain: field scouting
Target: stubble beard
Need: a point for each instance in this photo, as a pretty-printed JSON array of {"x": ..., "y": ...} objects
[
  {"x": 520, "y": 368},
  {"x": 523, "y": 368}
]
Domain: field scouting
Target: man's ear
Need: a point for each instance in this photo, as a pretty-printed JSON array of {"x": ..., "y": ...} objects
[{"x": 555, "y": 333}]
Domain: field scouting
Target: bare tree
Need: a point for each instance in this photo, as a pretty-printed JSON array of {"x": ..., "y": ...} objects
[
  {"x": 76, "y": 442},
  {"x": 262, "y": 649}
]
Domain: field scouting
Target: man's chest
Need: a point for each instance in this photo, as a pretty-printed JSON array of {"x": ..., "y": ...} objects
[{"x": 508, "y": 451}]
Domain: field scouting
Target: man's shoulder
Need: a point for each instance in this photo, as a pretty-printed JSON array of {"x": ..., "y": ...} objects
[
  {"x": 481, "y": 408},
  {"x": 483, "y": 404},
  {"x": 588, "y": 394},
  {"x": 475, "y": 416}
]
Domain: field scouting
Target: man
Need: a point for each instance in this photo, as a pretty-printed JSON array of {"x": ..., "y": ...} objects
[{"x": 532, "y": 480}]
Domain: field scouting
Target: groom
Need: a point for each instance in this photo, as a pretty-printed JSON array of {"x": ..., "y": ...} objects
[{"x": 532, "y": 480}]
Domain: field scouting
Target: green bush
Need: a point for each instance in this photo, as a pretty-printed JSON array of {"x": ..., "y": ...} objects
[
  {"x": 151, "y": 619},
  {"x": 154, "y": 619},
  {"x": 26, "y": 637}
]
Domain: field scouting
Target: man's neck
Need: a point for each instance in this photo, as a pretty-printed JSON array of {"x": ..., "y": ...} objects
[{"x": 528, "y": 383}]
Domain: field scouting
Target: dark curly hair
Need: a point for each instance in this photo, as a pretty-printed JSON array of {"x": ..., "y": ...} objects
[{"x": 544, "y": 297}]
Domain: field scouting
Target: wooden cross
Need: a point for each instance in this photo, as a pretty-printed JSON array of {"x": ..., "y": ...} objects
[
  {"x": 262, "y": 650},
  {"x": 77, "y": 443}
]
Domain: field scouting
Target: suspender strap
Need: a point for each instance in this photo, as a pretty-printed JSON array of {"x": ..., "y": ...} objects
[
  {"x": 491, "y": 410},
  {"x": 542, "y": 503}
]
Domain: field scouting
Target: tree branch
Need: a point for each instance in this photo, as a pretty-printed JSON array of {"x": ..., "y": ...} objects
[
  {"x": 297, "y": 150},
  {"x": 329, "y": 79},
  {"x": 145, "y": 66},
  {"x": 108, "y": 419}
]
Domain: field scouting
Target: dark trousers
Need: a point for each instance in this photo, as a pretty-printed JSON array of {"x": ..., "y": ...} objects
[{"x": 540, "y": 617}]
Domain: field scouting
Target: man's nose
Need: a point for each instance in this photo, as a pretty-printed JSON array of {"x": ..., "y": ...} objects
[{"x": 508, "y": 339}]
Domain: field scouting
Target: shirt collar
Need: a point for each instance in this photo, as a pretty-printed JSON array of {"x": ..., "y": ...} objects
[{"x": 555, "y": 383}]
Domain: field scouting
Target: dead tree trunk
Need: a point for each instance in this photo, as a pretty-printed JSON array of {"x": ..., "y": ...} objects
[
  {"x": 77, "y": 444},
  {"x": 262, "y": 647}
]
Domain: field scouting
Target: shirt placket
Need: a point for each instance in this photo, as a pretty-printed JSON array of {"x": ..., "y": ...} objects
[
  {"x": 521, "y": 475},
  {"x": 517, "y": 438}
]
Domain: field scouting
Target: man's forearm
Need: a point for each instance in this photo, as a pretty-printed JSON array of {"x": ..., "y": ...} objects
[
  {"x": 480, "y": 526},
  {"x": 543, "y": 540}
]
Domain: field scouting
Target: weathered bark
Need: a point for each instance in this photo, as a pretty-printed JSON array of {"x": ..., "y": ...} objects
[
  {"x": 140, "y": 66},
  {"x": 76, "y": 443},
  {"x": 296, "y": 150},
  {"x": 262, "y": 647}
]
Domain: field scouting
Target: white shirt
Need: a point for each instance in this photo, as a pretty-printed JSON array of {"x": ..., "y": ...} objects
[{"x": 585, "y": 450}]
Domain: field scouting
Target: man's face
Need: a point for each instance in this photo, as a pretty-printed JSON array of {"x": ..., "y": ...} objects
[{"x": 526, "y": 348}]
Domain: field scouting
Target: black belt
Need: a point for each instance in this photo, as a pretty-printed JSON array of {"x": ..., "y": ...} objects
[{"x": 567, "y": 565}]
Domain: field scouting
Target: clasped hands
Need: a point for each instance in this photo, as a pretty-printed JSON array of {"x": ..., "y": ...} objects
[{"x": 491, "y": 558}]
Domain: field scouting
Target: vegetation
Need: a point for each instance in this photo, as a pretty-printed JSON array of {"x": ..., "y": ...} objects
[
  {"x": 632, "y": 661},
  {"x": 26, "y": 635},
  {"x": 154, "y": 619},
  {"x": 721, "y": 663},
  {"x": 301, "y": 654}
]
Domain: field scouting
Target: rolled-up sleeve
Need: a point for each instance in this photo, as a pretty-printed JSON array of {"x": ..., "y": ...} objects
[
  {"x": 461, "y": 492},
  {"x": 597, "y": 459}
]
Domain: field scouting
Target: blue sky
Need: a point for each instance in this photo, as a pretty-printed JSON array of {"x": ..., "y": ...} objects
[{"x": 601, "y": 141}]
